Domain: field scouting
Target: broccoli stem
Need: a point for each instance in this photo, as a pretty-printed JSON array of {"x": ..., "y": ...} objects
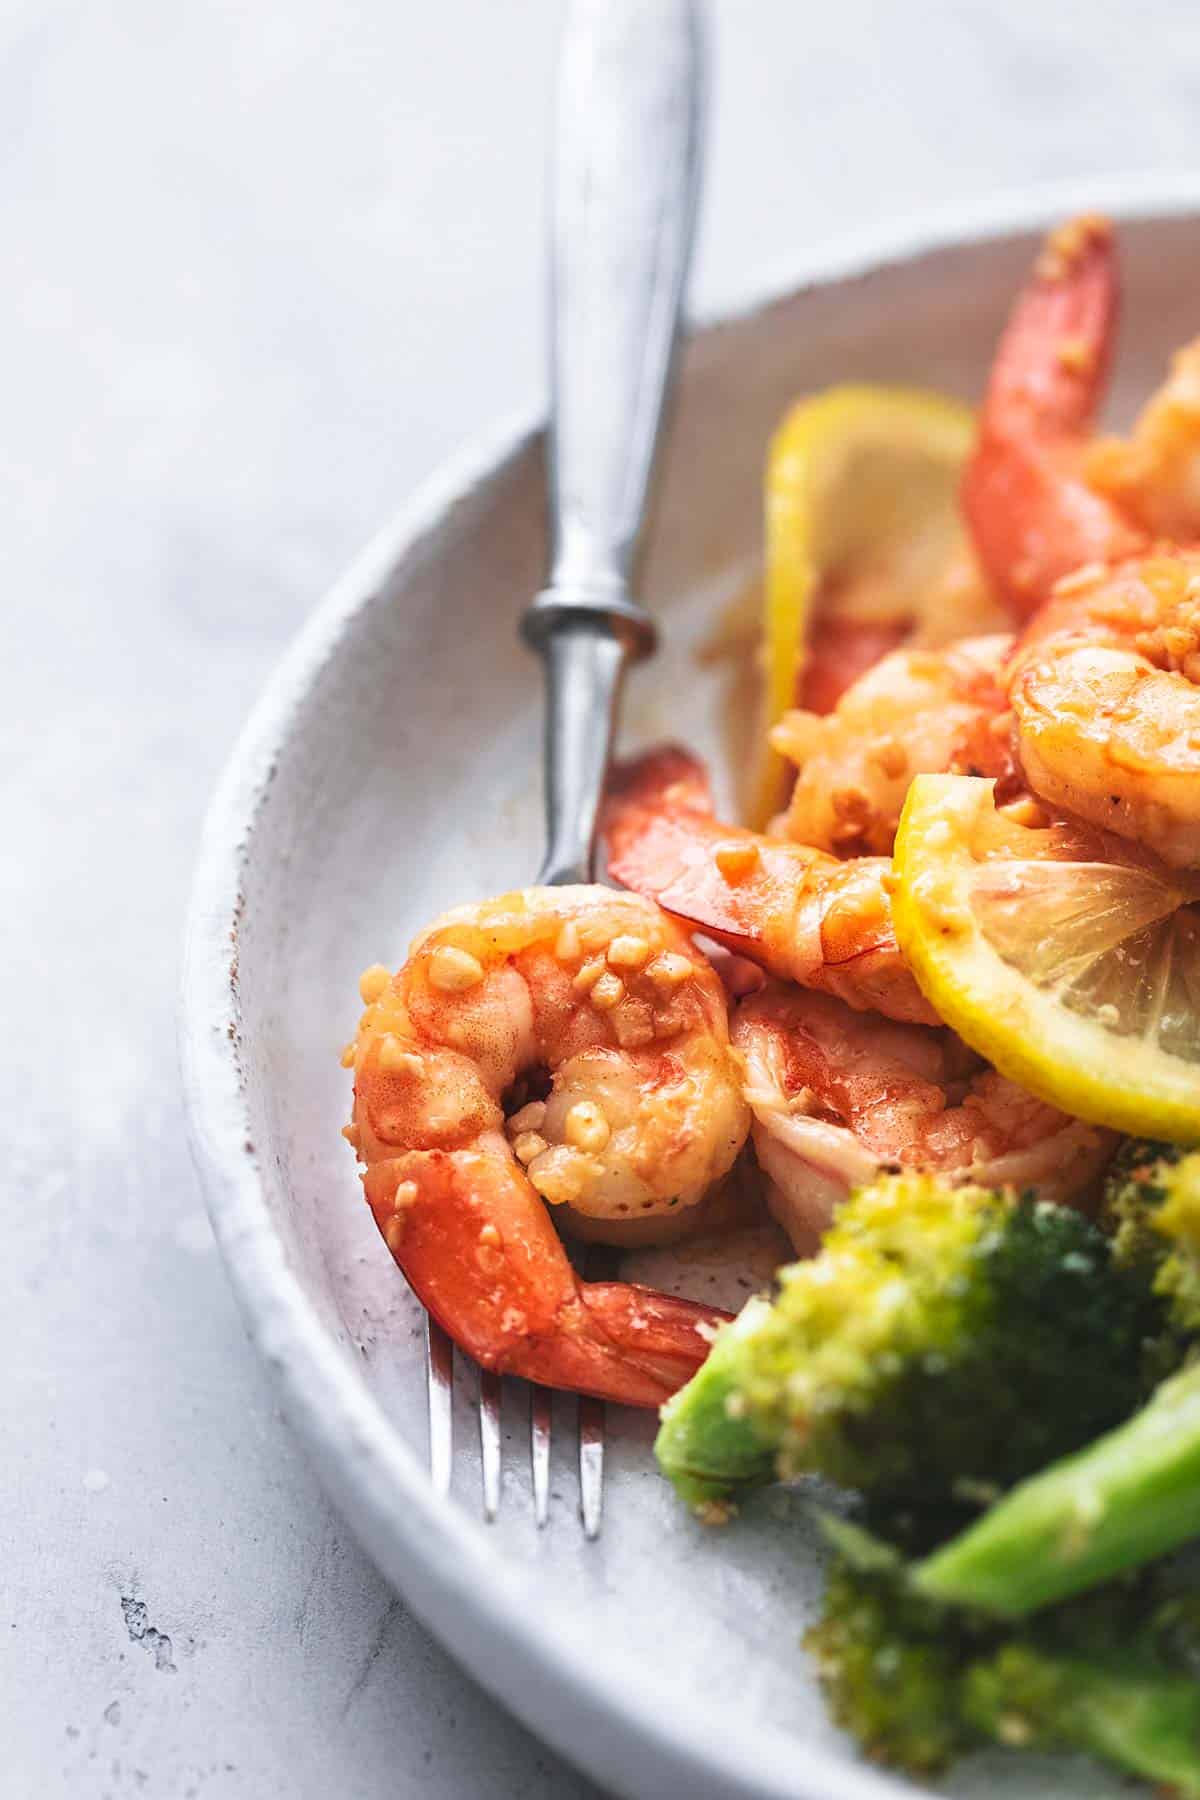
[
  {"x": 1142, "y": 1719},
  {"x": 705, "y": 1445},
  {"x": 1131, "y": 1496}
]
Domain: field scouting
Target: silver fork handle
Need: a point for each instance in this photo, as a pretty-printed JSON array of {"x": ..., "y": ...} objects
[{"x": 626, "y": 177}]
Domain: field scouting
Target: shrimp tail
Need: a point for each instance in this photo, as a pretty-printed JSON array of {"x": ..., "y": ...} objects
[
  {"x": 491, "y": 1269},
  {"x": 668, "y": 778},
  {"x": 1051, "y": 367},
  {"x": 1032, "y": 515},
  {"x": 666, "y": 1336}
]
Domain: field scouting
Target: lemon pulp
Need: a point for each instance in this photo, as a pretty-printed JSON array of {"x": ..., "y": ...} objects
[{"x": 1068, "y": 962}]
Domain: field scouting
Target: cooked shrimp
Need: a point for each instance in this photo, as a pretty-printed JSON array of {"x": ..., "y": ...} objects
[
  {"x": 839, "y": 653},
  {"x": 1104, "y": 683},
  {"x": 839, "y": 1098},
  {"x": 1032, "y": 513},
  {"x": 792, "y": 910},
  {"x": 1105, "y": 690},
  {"x": 1154, "y": 475},
  {"x": 917, "y": 712},
  {"x": 639, "y": 1113},
  {"x": 851, "y": 633}
]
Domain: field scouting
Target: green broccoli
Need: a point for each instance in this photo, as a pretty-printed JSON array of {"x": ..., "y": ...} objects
[
  {"x": 1114, "y": 1673},
  {"x": 707, "y": 1443},
  {"x": 890, "y": 1665},
  {"x": 944, "y": 1343},
  {"x": 1135, "y": 1493},
  {"x": 1152, "y": 1206},
  {"x": 1132, "y": 1495}
]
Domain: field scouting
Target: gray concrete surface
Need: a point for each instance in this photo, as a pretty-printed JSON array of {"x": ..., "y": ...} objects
[{"x": 263, "y": 266}]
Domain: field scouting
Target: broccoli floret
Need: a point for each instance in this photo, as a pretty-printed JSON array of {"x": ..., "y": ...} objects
[
  {"x": 944, "y": 1342},
  {"x": 1134, "y": 1493},
  {"x": 890, "y": 1665},
  {"x": 706, "y": 1443},
  {"x": 1152, "y": 1206},
  {"x": 919, "y": 1684}
]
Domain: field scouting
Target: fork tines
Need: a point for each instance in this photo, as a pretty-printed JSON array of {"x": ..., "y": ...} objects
[
  {"x": 439, "y": 1358},
  {"x": 539, "y": 1452},
  {"x": 439, "y": 1367}
]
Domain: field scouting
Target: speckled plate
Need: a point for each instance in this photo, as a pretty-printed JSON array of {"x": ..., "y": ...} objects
[{"x": 391, "y": 769}]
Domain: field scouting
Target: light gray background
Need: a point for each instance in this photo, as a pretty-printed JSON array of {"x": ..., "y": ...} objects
[{"x": 264, "y": 265}]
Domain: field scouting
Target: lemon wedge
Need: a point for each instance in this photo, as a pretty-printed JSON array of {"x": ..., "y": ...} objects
[
  {"x": 863, "y": 529},
  {"x": 1069, "y": 962}
]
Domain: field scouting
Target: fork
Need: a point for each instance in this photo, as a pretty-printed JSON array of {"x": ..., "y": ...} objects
[{"x": 626, "y": 178}]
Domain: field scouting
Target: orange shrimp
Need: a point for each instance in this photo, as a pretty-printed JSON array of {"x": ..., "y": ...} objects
[
  {"x": 1104, "y": 682},
  {"x": 1032, "y": 513},
  {"x": 1105, "y": 692},
  {"x": 917, "y": 712},
  {"x": 1153, "y": 476},
  {"x": 844, "y": 645},
  {"x": 793, "y": 910},
  {"x": 603, "y": 998},
  {"x": 839, "y": 1098},
  {"x": 841, "y": 652}
]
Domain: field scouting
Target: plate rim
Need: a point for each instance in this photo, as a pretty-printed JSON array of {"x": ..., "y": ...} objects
[{"x": 569, "y": 1691}]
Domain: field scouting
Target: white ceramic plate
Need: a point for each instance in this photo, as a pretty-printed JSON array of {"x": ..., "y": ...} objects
[{"x": 391, "y": 769}]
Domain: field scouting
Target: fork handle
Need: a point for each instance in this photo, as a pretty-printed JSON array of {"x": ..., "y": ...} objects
[{"x": 626, "y": 178}]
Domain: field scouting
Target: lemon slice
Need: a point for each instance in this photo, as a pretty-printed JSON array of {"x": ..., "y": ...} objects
[
  {"x": 863, "y": 526},
  {"x": 1069, "y": 963}
]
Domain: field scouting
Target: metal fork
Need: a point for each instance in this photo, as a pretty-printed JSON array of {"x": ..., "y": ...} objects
[{"x": 626, "y": 177}]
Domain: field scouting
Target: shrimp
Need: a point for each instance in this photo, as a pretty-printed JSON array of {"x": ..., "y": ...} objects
[
  {"x": 1105, "y": 691},
  {"x": 850, "y": 635},
  {"x": 793, "y": 910},
  {"x": 841, "y": 653},
  {"x": 916, "y": 712},
  {"x": 1154, "y": 476},
  {"x": 640, "y": 1112},
  {"x": 1105, "y": 681},
  {"x": 1033, "y": 515},
  {"x": 839, "y": 1098}
]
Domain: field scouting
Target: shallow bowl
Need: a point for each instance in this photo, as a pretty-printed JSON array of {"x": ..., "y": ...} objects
[{"x": 391, "y": 769}]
